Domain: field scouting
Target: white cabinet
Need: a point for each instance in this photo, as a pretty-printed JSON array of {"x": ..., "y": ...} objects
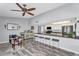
[
  {"x": 54, "y": 41},
  {"x": 47, "y": 40},
  {"x": 70, "y": 44}
]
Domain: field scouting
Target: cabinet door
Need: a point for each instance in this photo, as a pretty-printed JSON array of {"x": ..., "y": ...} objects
[
  {"x": 54, "y": 42},
  {"x": 47, "y": 40}
]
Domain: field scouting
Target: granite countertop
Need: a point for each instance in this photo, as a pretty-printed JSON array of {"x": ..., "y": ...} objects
[
  {"x": 54, "y": 35},
  {"x": 48, "y": 34}
]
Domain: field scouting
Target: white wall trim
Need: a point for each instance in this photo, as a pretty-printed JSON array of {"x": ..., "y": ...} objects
[
  {"x": 4, "y": 42},
  {"x": 69, "y": 50}
]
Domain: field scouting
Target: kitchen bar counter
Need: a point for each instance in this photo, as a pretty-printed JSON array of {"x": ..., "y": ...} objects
[
  {"x": 55, "y": 35},
  {"x": 68, "y": 44}
]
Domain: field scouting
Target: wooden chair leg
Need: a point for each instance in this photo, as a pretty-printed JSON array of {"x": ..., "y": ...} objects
[
  {"x": 13, "y": 46},
  {"x": 20, "y": 44}
]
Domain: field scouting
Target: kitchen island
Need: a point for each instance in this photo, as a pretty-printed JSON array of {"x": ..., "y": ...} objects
[{"x": 68, "y": 44}]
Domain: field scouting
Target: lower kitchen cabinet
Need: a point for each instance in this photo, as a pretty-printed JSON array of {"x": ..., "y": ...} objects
[
  {"x": 55, "y": 42},
  {"x": 68, "y": 44}
]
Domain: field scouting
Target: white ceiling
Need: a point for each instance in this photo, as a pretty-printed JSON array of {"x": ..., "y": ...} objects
[{"x": 40, "y": 8}]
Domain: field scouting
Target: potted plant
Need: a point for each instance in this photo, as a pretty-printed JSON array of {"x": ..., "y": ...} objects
[{"x": 71, "y": 34}]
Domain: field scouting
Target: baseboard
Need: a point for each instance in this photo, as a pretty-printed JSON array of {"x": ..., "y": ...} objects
[
  {"x": 69, "y": 50},
  {"x": 4, "y": 42}
]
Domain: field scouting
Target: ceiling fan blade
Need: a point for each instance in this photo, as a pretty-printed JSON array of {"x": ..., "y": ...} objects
[
  {"x": 30, "y": 9},
  {"x": 17, "y": 10},
  {"x": 30, "y": 13},
  {"x": 19, "y": 5},
  {"x": 23, "y": 14}
]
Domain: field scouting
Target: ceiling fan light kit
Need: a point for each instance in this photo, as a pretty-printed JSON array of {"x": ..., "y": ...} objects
[{"x": 24, "y": 9}]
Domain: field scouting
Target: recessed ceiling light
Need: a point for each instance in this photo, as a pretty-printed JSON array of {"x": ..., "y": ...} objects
[{"x": 62, "y": 22}]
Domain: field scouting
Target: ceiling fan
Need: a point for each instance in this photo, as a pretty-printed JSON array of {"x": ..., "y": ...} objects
[{"x": 24, "y": 9}]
